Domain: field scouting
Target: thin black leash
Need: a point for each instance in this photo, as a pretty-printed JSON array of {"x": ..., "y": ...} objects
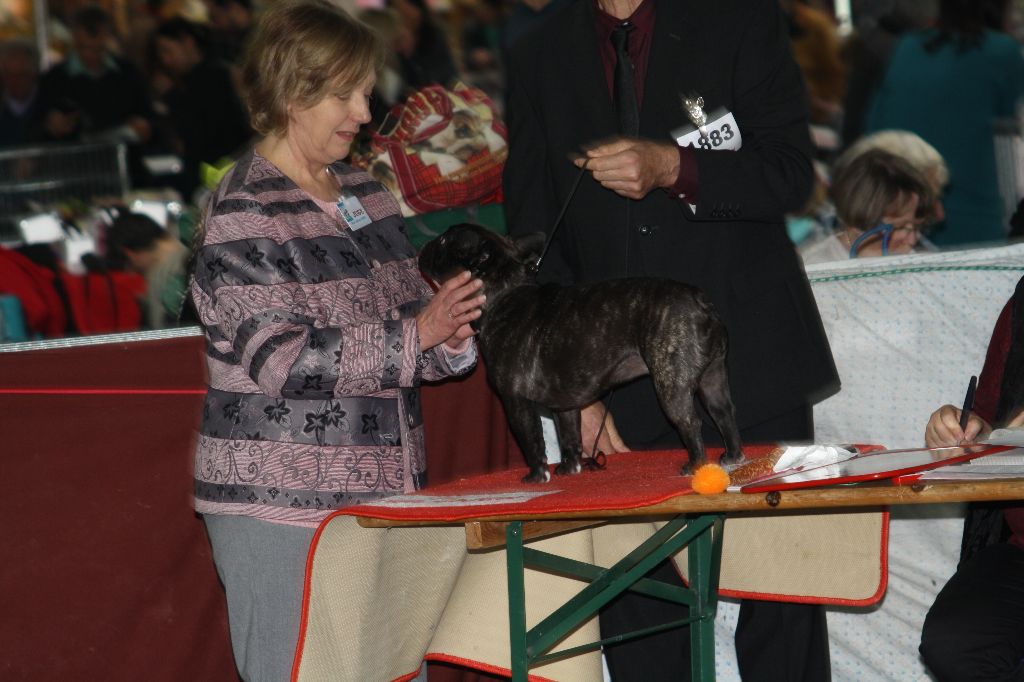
[
  {"x": 535, "y": 267},
  {"x": 596, "y": 460}
]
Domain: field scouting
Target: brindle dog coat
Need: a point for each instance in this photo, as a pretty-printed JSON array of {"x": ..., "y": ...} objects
[{"x": 564, "y": 347}]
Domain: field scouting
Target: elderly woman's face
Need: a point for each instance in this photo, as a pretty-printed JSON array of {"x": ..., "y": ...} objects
[
  {"x": 906, "y": 229},
  {"x": 906, "y": 224},
  {"x": 323, "y": 133}
]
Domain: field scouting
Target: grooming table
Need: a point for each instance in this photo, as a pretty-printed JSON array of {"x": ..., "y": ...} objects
[{"x": 495, "y": 510}]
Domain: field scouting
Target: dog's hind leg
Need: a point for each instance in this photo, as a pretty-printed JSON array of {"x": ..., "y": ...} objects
[
  {"x": 568, "y": 426},
  {"x": 713, "y": 389},
  {"x": 677, "y": 401},
  {"x": 524, "y": 420}
]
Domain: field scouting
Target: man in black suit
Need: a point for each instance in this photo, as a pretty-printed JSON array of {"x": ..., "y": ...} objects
[{"x": 632, "y": 216}]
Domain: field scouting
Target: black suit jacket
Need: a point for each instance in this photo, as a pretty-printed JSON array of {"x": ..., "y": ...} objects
[{"x": 734, "y": 53}]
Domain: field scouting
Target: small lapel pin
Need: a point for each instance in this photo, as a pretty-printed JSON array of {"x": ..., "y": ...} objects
[{"x": 693, "y": 105}]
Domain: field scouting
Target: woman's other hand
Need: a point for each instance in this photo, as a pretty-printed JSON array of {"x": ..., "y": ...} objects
[
  {"x": 943, "y": 429},
  {"x": 1017, "y": 421},
  {"x": 446, "y": 317}
]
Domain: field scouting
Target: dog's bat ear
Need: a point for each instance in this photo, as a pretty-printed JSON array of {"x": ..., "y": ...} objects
[{"x": 529, "y": 246}]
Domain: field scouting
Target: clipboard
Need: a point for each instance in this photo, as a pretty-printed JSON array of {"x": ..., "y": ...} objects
[{"x": 872, "y": 466}]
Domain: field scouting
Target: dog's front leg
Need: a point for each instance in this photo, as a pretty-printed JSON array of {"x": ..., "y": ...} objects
[
  {"x": 568, "y": 425},
  {"x": 524, "y": 420}
]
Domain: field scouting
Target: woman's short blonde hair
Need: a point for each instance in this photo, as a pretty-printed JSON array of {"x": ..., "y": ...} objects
[
  {"x": 300, "y": 52},
  {"x": 866, "y": 188},
  {"x": 907, "y": 145}
]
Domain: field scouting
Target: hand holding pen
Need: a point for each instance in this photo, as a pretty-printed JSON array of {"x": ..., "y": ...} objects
[
  {"x": 965, "y": 412},
  {"x": 949, "y": 426}
]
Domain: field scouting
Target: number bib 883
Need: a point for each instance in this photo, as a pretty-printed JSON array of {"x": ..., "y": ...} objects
[{"x": 723, "y": 134}]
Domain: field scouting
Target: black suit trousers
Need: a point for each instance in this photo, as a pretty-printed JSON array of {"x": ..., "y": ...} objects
[{"x": 975, "y": 629}]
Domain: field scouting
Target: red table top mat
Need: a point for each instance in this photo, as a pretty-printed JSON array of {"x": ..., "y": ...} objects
[{"x": 630, "y": 480}]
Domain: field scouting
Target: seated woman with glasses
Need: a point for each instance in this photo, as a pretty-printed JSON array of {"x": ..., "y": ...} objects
[{"x": 882, "y": 203}]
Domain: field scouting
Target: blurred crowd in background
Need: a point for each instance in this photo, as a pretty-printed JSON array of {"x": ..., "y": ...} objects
[
  {"x": 162, "y": 76},
  {"x": 159, "y": 80}
]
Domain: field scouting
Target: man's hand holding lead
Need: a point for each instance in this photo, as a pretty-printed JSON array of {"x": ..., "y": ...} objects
[{"x": 632, "y": 167}]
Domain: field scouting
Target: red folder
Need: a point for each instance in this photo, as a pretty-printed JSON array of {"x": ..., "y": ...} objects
[{"x": 871, "y": 466}]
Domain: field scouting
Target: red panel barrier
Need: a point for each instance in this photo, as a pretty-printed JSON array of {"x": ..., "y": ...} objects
[{"x": 108, "y": 574}]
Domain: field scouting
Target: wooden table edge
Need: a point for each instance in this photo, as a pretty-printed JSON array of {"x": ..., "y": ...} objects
[{"x": 862, "y": 495}]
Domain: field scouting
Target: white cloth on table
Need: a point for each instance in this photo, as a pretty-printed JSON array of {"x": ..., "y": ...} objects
[{"x": 907, "y": 332}]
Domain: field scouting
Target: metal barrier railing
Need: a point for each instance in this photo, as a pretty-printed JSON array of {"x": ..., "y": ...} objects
[{"x": 40, "y": 177}]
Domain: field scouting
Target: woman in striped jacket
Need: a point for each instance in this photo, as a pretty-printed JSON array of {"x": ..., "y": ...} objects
[{"x": 319, "y": 327}]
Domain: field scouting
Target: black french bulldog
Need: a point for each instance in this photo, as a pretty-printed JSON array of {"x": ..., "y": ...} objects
[{"x": 564, "y": 347}]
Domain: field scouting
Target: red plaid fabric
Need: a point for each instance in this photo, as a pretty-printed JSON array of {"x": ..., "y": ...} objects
[{"x": 440, "y": 149}]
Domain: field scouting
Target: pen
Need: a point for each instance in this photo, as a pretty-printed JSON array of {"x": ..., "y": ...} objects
[{"x": 968, "y": 403}]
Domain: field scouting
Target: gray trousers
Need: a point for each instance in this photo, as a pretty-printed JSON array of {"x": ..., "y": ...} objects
[{"x": 262, "y": 566}]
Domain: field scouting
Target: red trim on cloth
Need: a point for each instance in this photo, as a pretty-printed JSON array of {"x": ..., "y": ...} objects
[
  {"x": 483, "y": 667},
  {"x": 304, "y": 616},
  {"x": 630, "y": 480},
  {"x": 656, "y": 481},
  {"x": 445, "y": 658},
  {"x": 883, "y": 583}
]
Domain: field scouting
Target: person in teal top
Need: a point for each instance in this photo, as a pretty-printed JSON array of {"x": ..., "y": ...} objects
[{"x": 948, "y": 84}]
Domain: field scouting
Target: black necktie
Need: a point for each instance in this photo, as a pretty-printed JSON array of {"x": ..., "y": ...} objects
[{"x": 625, "y": 90}]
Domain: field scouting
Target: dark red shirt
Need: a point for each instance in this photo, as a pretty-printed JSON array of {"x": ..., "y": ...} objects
[
  {"x": 639, "y": 49},
  {"x": 986, "y": 399}
]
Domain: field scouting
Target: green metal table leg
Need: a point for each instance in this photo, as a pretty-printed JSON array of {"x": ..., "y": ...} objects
[
  {"x": 703, "y": 535},
  {"x": 704, "y": 555},
  {"x": 516, "y": 600}
]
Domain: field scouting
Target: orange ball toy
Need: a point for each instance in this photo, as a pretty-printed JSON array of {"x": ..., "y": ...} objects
[{"x": 710, "y": 479}]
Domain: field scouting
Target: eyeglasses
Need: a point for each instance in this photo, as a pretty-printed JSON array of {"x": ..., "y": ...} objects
[{"x": 886, "y": 230}]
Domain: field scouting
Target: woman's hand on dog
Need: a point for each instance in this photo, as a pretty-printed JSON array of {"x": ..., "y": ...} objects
[
  {"x": 590, "y": 423},
  {"x": 446, "y": 317}
]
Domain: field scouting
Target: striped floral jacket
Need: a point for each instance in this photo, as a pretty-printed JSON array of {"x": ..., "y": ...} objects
[{"x": 312, "y": 350}]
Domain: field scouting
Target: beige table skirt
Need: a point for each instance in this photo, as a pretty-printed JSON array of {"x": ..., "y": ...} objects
[{"x": 379, "y": 601}]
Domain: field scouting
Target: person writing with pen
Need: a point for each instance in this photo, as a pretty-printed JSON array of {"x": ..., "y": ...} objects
[
  {"x": 948, "y": 426},
  {"x": 975, "y": 628}
]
